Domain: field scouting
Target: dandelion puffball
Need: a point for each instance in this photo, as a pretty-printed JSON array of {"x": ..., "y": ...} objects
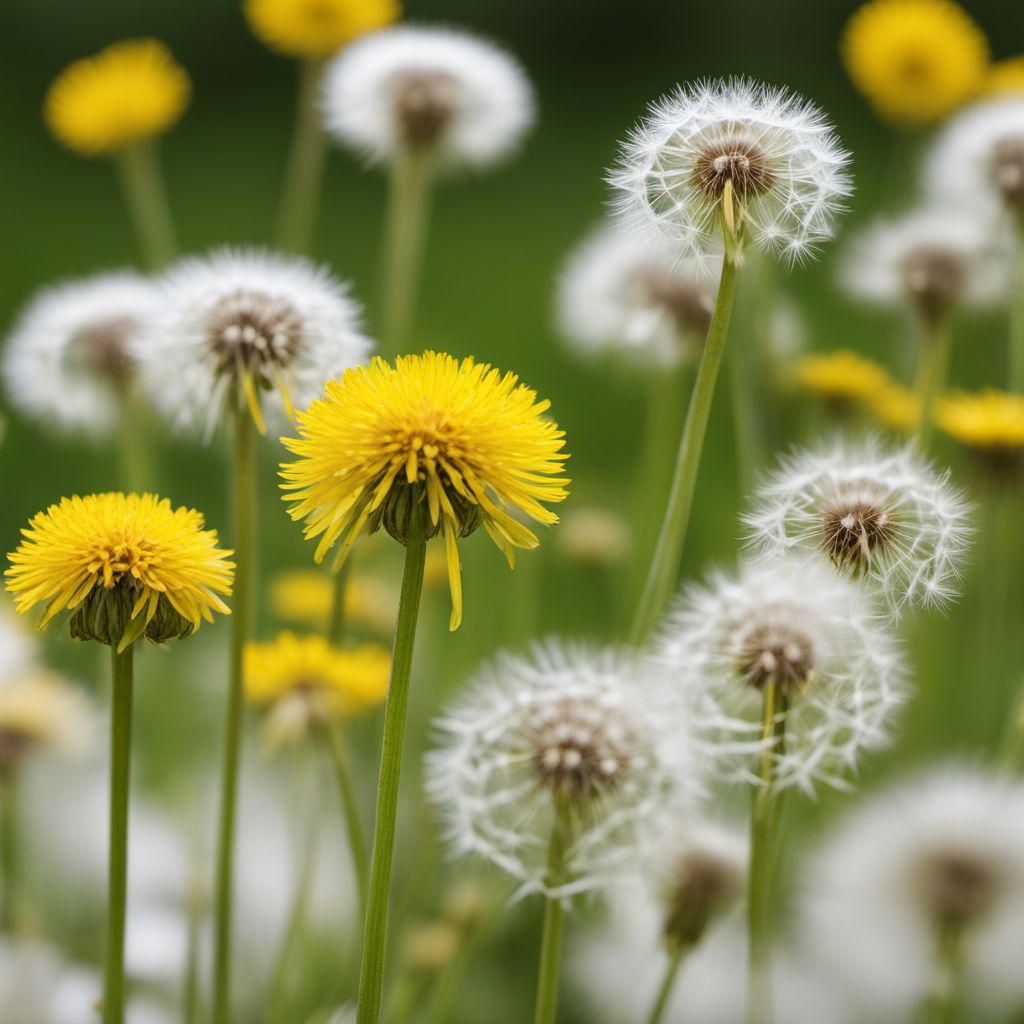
[
  {"x": 793, "y": 624},
  {"x": 564, "y": 725},
  {"x": 618, "y": 294},
  {"x": 68, "y": 362},
  {"x": 755, "y": 163},
  {"x": 40, "y": 710},
  {"x": 437, "y": 90},
  {"x": 879, "y": 514},
  {"x": 246, "y": 328},
  {"x": 941, "y": 855}
]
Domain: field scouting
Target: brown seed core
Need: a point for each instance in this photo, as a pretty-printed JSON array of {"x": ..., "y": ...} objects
[
  {"x": 958, "y": 886},
  {"x": 933, "y": 278},
  {"x": 259, "y": 330},
  {"x": 1008, "y": 168},
  {"x": 737, "y": 160},
  {"x": 14, "y": 744},
  {"x": 689, "y": 304},
  {"x": 705, "y": 885},
  {"x": 101, "y": 348},
  {"x": 425, "y": 102},
  {"x": 856, "y": 525},
  {"x": 775, "y": 652}
]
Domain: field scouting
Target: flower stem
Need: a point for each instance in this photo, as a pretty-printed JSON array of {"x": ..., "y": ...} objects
[
  {"x": 9, "y": 849},
  {"x": 350, "y": 806},
  {"x": 940, "y": 1004},
  {"x": 554, "y": 919},
  {"x": 932, "y": 373},
  {"x": 408, "y": 213},
  {"x": 146, "y": 197},
  {"x": 371, "y": 975},
  {"x": 763, "y": 834},
  {"x": 1017, "y": 318},
  {"x": 301, "y": 196},
  {"x": 132, "y": 445},
  {"x": 336, "y": 623},
  {"x": 667, "y": 985},
  {"x": 665, "y": 563},
  {"x": 117, "y": 899},
  {"x": 244, "y": 498}
]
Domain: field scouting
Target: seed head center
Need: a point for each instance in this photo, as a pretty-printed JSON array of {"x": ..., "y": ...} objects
[
  {"x": 857, "y": 527},
  {"x": 776, "y": 652},
  {"x": 262, "y": 331},
  {"x": 739, "y": 161},
  {"x": 425, "y": 102}
]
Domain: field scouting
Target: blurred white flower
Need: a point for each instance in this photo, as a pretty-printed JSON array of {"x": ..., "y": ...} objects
[
  {"x": 436, "y": 89},
  {"x": 758, "y": 161},
  {"x": 945, "y": 851},
  {"x": 566, "y": 722},
  {"x": 246, "y": 327},
  {"x": 881, "y": 514},
  {"x": 793, "y": 623},
  {"x": 67, "y": 363},
  {"x": 619, "y": 294},
  {"x": 40, "y": 710},
  {"x": 17, "y": 645},
  {"x": 156, "y": 942}
]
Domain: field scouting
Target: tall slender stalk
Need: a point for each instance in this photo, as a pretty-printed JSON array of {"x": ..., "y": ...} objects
[
  {"x": 117, "y": 899},
  {"x": 932, "y": 374},
  {"x": 336, "y": 623},
  {"x": 350, "y": 808},
  {"x": 940, "y": 1004},
  {"x": 1016, "y": 382},
  {"x": 371, "y": 975},
  {"x": 665, "y": 563},
  {"x": 668, "y": 983},
  {"x": 412, "y": 179},
  {"x": 554, "y": 918},
  {"x": 146, "y": 197},
  {"x": 300, "y": 198},
  {"x": 244, "y": 471},
  {"x": 9, "y": 849}
]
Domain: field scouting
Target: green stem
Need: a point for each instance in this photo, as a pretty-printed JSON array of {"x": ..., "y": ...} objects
[
  {"x": 132, "y": 444},
  {"x": 667, "y": 985},
  {"x": 371, "y": 975},
  {"x": 350, "y": 807},
  {"x": 763, "y": 836},
  {"x": 940, "y": 1004},
  {"x": 408, "y": 214},
  {"x": 665, "y": 564},
  {"x": 554, "y": 919},
  {"x": 301, "y": 195},
  {"x": 932, "y": 374},
  {"x": 146, "y": 197},
  {"x": 244, "y": 499},
  {"x": 336, "y": 623},
  {"x": 117, "y": 900},
  {"x": 1017, "y": 318},
  {"x": 9, "y": 849}
]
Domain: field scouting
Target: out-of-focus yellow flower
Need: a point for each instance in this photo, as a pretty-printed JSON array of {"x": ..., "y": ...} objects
[
  {"x": 307, "y": 681},
  {"x": 39, "y": 710},
  {"x": 594, "y": 536},
  {"x": 990, "y": 421},
  {"x": 840, "y": 376},
  {"x": 1005, "y": 77},
  {"x": 316, "y": 28},
  {"x": 895, "y": 406},
  {"x": 916, "y": 61},
  {"x": 307, "y": 596},
  {"x": 128, "y": 92}
]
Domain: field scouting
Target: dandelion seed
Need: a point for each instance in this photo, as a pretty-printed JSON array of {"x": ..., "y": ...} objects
[{"x": 316, "y": 28}]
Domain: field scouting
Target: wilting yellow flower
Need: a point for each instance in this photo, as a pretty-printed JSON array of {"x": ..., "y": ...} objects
[
  {"x": 1006, "y": 76},
  {"x": 915, "y": 60},
  {"x": 307, "y": 681},
  {"x": 126, "y": 93},
  {"x": 444, "y": 444},
  {"x": 895, "y": 406},
  {"x": 316, "y": 28},
  {"x": 38, "y": 710},
  {"x": 306, "y": 595},
  {"x": 840, "y": 376},
  {"x": 124, "y": 564},
  {"x": 990, "y": 421}
]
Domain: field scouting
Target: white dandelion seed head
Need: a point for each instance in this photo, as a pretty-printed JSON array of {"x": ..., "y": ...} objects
[
  {"x": 620, "y": 294},
  {"x": 448, "y": 91},
  {"x": 796, "y": 624},
  {"x": 932, "y": 258},
  {"x": 945, "y": 850},
  {"x": 978, "y": 159},
  {"x": 787, "y": 169},
  {"x": 18, "y": 648},
  {"x": 286, "y": 323},
  {"x": 566, "y": 721},
  {"x": 884, "y": 515},
  {"x": 67, "y": 363}
]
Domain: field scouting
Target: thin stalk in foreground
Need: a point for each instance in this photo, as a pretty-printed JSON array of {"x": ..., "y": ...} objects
[
  {"x": 667, "y": 985},
  {"x": 665, "y": 563},
  {"x": 763, "y": 836},
  {"x": 371, "y": 974},
  {"x": 300, "y": 199},
  {"x": 1017, "y": 318},
  {"x": 412, "y": 180},
  {"x": 350, "y": 807},
  {"x": 117, "y": 899},
  {"x": 932, "y": 374},
  {"x": 146, "y": 196},
  {"x": 9, "y": 849},
  {"x": 336, "y": 623},
  {"x": 244, "y": 498},
  {"x": 554, "y": 919},
  {"x": 940, "y": 1004}
]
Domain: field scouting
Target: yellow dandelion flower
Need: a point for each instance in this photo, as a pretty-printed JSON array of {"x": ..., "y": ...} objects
[
  {"x": 307, "y": 596},
  {"x": 1005, "y": 77},
  {"x": 454, "y": 444},
  {"x": 39, "y": 710},
  {"x": 895, "y": 406},
  {"x": 841, "y": 376},
  {"x": 124, "y": 564},
  {"x": 915, "y": 60},
  {"x": 128, "y": 92},
  {"x": 990, "y": 421},
  {"x": 316, "y": 28}
]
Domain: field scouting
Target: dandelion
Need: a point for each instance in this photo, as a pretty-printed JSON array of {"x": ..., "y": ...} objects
[
  {"x": 754, "y": 166},
  {"x": 552, "y": 768},
  {"x": 882, "y": 515},
  {"x": 918, "y": 897},
  {"x": 117, "y": 103},
  {"x": 1005, "y": 77},
  {"x": 896, "y": 407},
  {"x": 306, "y": 596},
  {"x": 124, "y": 566},
  {"x": 595, "y": 536},
  {"x": 990, "y": 423},
  {"x": 844, "y": 379},
  {"x": 916, "y": 61},
  {"x": 422, "y": 101}
]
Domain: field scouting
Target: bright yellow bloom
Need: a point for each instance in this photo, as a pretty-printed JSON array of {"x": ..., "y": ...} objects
[
  {"x": 895, "y": 406},
  {"x": 126, "y": 93},
  {"x": 316, "y": 28},
  {"x": 307, "y": 681},
  {"x": 840, "y": 375},
  {"x": 915, "y": 60},
  {"x": 125, "y": 564},
  {"x": 991, "y": 421},
  {"x": 307, "y": 596},
  {"x": 38, "y": 710},
  {"x": 454, "y": 444},
  {"x": 1005, "y": 77}
]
